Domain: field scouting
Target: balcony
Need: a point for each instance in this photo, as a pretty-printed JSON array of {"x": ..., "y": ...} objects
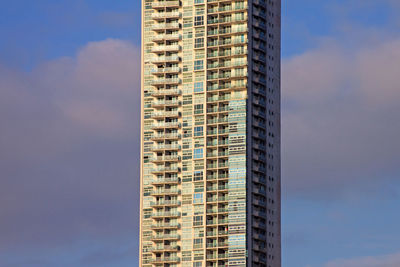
[
  {"x": 211, "y": 256},
  {"x": 165, "y": 203},
  {"x": 166, "y": 70},
  {"x": 163, "y": 260},
  {"x": 160, "y": 226},
  {"x": 222, "y": 232},
  {"x": 166, "y": 26},
  {"x": 169, "y": 37},
  {"x": 172, "y": 180},
  {"x": 166, "y": 158},
  {"x": 223, "y": 256},
  {"x": 211, "y": 233},
  {"x": 216, "y": 244},
  {"x": 166, "y": 192},
  {"x": 163, "y": 4},
  {"x": 166, "y": 81},
  {"x": 166, "y": 147},
  {"x": 169, "y": 92},
  {"x": 162, "y": 170},
  {"x": 165, "y": 248},
  {"x": 171, "y": 214},
  {"x": 163, "y": 125},
  {"x": 216, "y": 109},
  {"x": 259, "y": 225},
  {"x": 165, "y": 15},
  {"x": 170, "y": 136},
  {"x": 163, "y": 59},
  {"x": 166, "y": 48},
  {"x": 164, "y": 114}
]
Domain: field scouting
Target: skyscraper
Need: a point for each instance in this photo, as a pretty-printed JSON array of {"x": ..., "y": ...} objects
[{"x": 210, "y": 142}]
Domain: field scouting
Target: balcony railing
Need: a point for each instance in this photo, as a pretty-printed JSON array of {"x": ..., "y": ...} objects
[
  {"x": 167, "y": 147},
  {"x": 166, "y": 70},
  {"x": 166, "y": 92},
  {"x": 163, "y": 48},
  {"x": 165, "y": 169},
  {"x": 162, "y": 37},
  {"x": 162, "y": 4},
  {"x": 164, "y": 15},
  {"x": 165, "y": 248},
  {"x": 166, "y": 136},
  {"x": 166, "y": 260},
  {"x": 165, "y": 225},
  {"x": 165, "y": 203},
  {"x": 164, "y": 26},
  {"x": 166, "y": 180},
  {"x": 166, "y": 214},
  {"x": 167, "y": 80},
  {"x": 165, "y": 59},
  {"x": 166, "y": 158},
  {"x": 165, "y": 114}
]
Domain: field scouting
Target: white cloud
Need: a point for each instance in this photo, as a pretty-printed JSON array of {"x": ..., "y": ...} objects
[
  {"x": 392, "y": 260},
  {"x": 95, "y": 93},
  {"x": 68, "y": 148},
  {"x": 340, "y": 118}
]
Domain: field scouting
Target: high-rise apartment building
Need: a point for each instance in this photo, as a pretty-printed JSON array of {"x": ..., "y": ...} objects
[{"x": 210, "y": 142}]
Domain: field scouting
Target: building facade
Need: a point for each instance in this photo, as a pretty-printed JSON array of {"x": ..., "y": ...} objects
[{"x": 210, "y": 139}]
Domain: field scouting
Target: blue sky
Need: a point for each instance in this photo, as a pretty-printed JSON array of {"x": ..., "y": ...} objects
[{"x": 69, "y": 87}]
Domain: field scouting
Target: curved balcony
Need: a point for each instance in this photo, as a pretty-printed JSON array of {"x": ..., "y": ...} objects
[
  {"x": 166, "y": 26},
  {"x": 166, "y": 192},
  {"x": 163, "y": 170},
  {"x": 169, "y": 92},
  {"x": 164, "y": 4},
  {"x": 161, "y": 226},
  {"x": 166, "y": 114},
  {"x": 166, "y": 125},
  {"x": 169, "y": 81},
  {"x": 165, "y": 203},
  {"x": 161, "y": 181},
  {"x": 161, "y": 159},
  {"x": 165, "y": 237},
  {"x": 165, "y": 260},
  {"x": 171, "y": 136},
  {"x": 166, "y": 48},
  {"x": 166, "y": 15},
  {"x": 166, "y": 147},
  {"x": 163, "y": 59},
  {"x": 166, "y": 37},
  {"x": 169, "y": 214},
  {"x": 162, "y": 71},
  {"x": 165, "y": 248}
]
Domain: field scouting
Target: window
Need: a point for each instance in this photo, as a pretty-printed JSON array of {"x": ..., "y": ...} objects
[
  {"x": 197, "y": 243},
  {"x": 198, "y": 109},
  {"x": 198, "y": 199},
  {"x": 198, "y": 220},
  {"x": 198, "y": 65},
  {"x": 199, "y": 42},
  {"x": 200, "y": 10},
  {"x": 187, "y": 33},
  {"x": 198, "y": 175},
  {"x": 187, "y": 22},
  {"x": 198, "y": 153},
  {"x": 198, "y": 21},
  {"x": 198, "y": 87},
  {"x": 198, "y": 131}
]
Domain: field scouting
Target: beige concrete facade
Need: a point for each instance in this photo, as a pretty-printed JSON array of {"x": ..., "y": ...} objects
[{"x": 210, "y": 149}]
